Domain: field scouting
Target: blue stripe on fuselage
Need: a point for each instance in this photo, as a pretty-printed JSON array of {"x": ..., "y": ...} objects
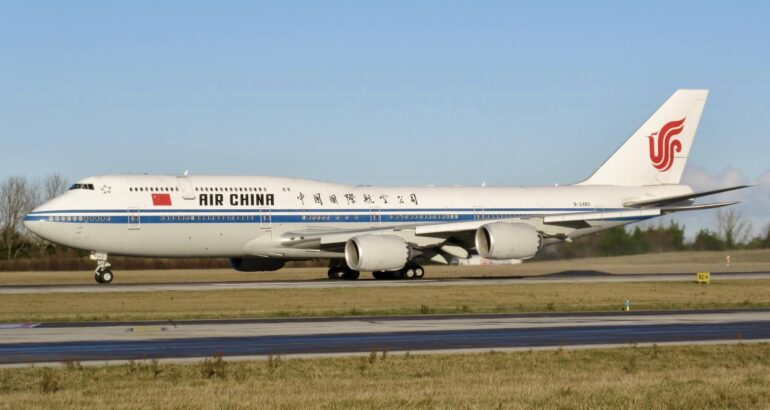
[
  {"x": 296, "y": 216},
  {"x": 337, "y": 210}
]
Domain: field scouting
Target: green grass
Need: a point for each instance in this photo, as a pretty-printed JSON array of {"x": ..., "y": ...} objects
[
  {"x": 543, "y": 297},
  {"x": 694, "y": 377},
  {"x": 671, "y": 262}
]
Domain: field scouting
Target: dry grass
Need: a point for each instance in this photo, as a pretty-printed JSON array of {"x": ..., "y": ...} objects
[
  {"x": 695, "y": 377},
  {"x": 674, "y": 262},
  {"x": 381, "y": 301}
]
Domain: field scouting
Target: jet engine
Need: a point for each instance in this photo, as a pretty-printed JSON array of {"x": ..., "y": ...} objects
[
  {"x": 376, "y": 253},
  {"x": 256, "y": 264},
  {"x": 501, "y": 240}
]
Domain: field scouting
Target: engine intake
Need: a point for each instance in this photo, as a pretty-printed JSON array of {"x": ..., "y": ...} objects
[
  {"x": 376, "y": 253},
  {"x": 501, "y": 240},
  {"x": 256, "y": 264}
]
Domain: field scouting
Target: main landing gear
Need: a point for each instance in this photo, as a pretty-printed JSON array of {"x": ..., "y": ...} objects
[
  {"x": 342, "y": 272},
  {"x": 411, "y": 271},
  {"x": 103, "y": 273}
]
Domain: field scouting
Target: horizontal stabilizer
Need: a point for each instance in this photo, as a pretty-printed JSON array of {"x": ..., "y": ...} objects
[
  {"x": 668, "y": 210},
  {"x": 658, "y": 202}
]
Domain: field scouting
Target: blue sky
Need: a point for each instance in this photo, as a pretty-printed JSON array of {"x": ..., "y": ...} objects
[{"x": 430, "y": 92}]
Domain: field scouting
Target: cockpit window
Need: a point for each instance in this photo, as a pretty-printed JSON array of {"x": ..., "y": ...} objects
[{"x": 82, "y": 186}]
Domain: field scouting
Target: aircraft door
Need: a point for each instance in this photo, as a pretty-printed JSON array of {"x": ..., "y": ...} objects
[
  {"x": 375, "y": 216},
  {"x": 600, "y": 209},
  {"x": 134, "y": 219},
  {"x": 265, "y": 219},
  {"x": 185, "y": 187},
  {"x": 478, "y": 212}
]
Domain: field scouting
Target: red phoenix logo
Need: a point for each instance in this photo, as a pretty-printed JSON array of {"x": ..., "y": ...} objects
[{"x": 662, "y": 152}]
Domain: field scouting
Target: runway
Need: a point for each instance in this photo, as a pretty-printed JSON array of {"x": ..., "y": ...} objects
[
  {"x": 88, "y": 342},
  {"x": 564, "y": 277}
]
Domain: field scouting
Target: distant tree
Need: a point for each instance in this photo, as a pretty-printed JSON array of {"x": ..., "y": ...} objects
[
  {"x": 17, "y": 198},
  {"x": 663, "y": 239},
  {"x": 639, "y": 239},
  {"x": 617, "y": 241},
  {"x": 621, "y": 241},
  {"x": 733, "y": 228},
  {"x": 760, "y": 241},
  {"x": 707, "y": 240},
  {"x": 766, "y": 240},
  {"x": 53, "y": 186}
]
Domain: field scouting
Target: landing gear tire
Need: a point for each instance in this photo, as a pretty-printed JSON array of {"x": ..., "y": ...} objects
[
  {"x": 103, "y": 276},
  {"x": 382, "y": 275},
  {"x": 351, "y": 275},
  {"x": 412, "y": 271},
  {"x": 343, "y": 273},
  {"x": 407, "y": 272}
]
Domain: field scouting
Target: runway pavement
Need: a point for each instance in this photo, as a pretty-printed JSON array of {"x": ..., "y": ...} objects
[
  {"x": 566, "y": 277},
  {"x": 56, "y": 342}
]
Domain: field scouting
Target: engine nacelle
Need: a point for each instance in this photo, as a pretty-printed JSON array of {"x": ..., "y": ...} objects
[
  {"x": 376, "y": 253},
  {"x": 256, "y": 264},
  {"x": 501, "y": 240}
]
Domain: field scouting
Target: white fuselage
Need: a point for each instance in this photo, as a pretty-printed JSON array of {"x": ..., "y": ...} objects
[{"x": 235, "y": 216}]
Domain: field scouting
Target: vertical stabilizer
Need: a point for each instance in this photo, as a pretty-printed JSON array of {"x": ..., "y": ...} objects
[{"x": 657, "y": 152}]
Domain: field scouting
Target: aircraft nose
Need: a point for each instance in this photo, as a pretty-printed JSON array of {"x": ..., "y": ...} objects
[{"x": 32, "y": 223}]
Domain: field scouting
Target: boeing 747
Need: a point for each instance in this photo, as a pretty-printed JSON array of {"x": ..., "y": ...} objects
[{"x": 260, "y": 222}]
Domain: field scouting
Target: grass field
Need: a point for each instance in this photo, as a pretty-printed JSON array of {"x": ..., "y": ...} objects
[
  {"x": 381, "y": 301},
  {"x": 694, "y": 377},
  {"x": 676, "y": 262}
]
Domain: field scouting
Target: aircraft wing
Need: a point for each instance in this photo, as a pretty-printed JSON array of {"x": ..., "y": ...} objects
[
  {"x": 435, "y": 234},
  {"x": 456, "y": 238}
]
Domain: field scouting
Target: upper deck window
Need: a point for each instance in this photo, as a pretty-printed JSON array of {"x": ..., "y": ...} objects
[{"x": 82, "y": 186}]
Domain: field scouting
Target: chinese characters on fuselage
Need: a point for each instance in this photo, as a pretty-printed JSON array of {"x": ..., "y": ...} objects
[{"x": 352, "y": 199}]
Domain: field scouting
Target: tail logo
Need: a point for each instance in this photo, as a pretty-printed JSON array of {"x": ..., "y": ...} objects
[{"x": 662, "y": 151}]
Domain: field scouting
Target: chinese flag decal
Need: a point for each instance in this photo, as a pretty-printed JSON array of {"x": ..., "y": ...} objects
[{"x": 161, "y": 199}]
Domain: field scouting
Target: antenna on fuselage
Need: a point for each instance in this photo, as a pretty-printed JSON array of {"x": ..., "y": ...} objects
[
  {"x": 483, "y": 184},
  {"x": 187, "y": 171}
]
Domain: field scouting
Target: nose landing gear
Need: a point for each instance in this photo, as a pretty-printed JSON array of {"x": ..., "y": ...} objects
[{"x": 103, "y": 273}]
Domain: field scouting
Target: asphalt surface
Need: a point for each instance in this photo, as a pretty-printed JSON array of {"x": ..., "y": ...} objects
[
  {"x": 564, "y": 277},
  {"x": 52, "y": 343}
]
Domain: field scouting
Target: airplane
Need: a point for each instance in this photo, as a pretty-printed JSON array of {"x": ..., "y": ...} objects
[{"x": 260, "y": 222}]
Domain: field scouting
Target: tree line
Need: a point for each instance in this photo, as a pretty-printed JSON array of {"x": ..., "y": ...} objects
[
  {"x": 21, "y": 250},
  {"x": 732, "y": 231}
]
